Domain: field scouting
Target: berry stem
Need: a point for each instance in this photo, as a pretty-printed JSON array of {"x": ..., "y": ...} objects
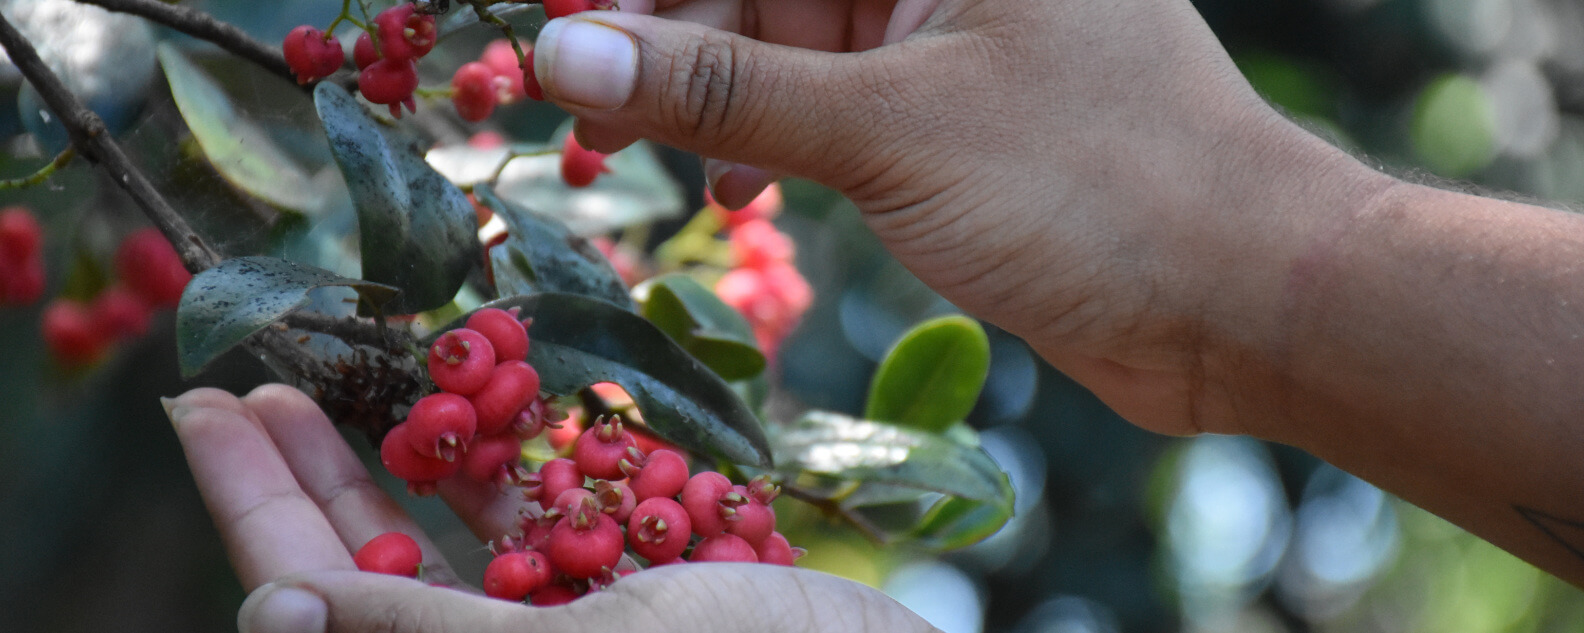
[
  {"x": 346, "y": 16},
  {"x": 481, "y": 7},
  {"x": 833, "y": 508},
  {"x": 61, "y": 160}
]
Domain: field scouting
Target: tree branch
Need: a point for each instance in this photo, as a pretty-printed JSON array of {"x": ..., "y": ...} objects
[{"x": 92, "y": 140}]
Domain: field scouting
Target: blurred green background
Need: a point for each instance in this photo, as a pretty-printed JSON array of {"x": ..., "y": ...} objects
[{"x": 1117, "y": 529}]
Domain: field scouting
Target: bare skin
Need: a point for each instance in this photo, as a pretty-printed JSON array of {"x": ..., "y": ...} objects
[{"x": 1097, "y": 178}]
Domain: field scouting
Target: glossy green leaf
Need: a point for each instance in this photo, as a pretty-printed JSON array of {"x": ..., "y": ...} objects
[
  {"x": 578, "y": 341},
  {"x": 416, "y": 230},
  {"x": 932, "y": 376},
  {"x": 541, "y": 255},
  {"x": 955, "y": 522},
  {"x": 702, "y": 324},
  {"x": 238, "y": 148},
  {"x": 226, "y": 304},
  {"x": 865, "y": 451}
]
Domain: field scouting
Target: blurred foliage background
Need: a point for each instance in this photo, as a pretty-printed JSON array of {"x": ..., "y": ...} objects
[{"x": 1117, "y": 530}]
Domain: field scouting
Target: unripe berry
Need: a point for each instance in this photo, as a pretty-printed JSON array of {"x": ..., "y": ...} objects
[
  {"x": 723, "y": 548},
  {"x": 776, "y": 551},
  {"x": 586, "y": 543},
  {"x": 461, "y": 361},
  {"x": 562, "y": 8},
  {"x": 513, "y": 575},
  {"x": 662, "y": 473},
  {"x": 150, "y": 267},
  {"x": 70, "y": 333},
  {"x": 600, "y": 450},
  {"x": 310, "y": 54},
  {"x": 440, "y": 424},
  {"x": 512, "y": 386},
  {"x": 121, "y": 313},
  {"x": 21, "y": 237},
  {"x": 701, "y": 497},
  {"x": 579, "y": 167},
  {"x": 504, "y": 331},
  {"x": 495, "y": 459},
  {"x": 659, "y": 530},
  {"x": 405, "y": 462},
  {"x": 363, "y": 51},
  {"x": 391, "y": 553},
  {"x": 555, "y": 477},
  {"x": 404, "y": 33},
  {"x": 473, "y": 91},
  {"x": 390, "y": 82}
]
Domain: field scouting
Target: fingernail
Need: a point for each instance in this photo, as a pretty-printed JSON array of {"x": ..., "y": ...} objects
[
  {"x": 713, "y": 171},
  {"x": 170, "y": 405},
  {"x": 174, "y": 411},
  {"x": 277, "y": 609},
  {"x": 586, "y": 62}
]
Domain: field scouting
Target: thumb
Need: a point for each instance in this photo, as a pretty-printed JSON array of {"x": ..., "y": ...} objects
[
  {"x": 357, "y": 602},
  {"x": 718, "y": 94}
]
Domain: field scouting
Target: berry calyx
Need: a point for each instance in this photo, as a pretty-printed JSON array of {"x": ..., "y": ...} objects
[
  {"x": 71, "y": 333},
  {"x": 751, "y": 520},
  {"x": 391, "y": 553},
  {"x": 661, "y": 473},
  {"x": 440, "y": 424},
  {"x": 579, "y": 166},
  {"x": 512, "y": 386},
  {"x": 535, "y": 418},
  {"x": 615, "y": 499},
  {"x": 390, "y": 82},
  {"x": 461, "y": 361},
  {"x": 587, "y": 543},
  {"x": 473, "y": 91},
  {"x": 505, "y": 333},
  {"x": 310, "y": 54},
  {"x": 659, "y": 529},
  {"x": 723, "y": 548},
  {"x": 405, "y": 34},
  {"x": 571, "y": 499},
  {"x": 149, "y": 266},
  {"x": 600, "y": 450},
  {"x": 514, "y": 575},
  {"x": 701, "y": 497},
  {"x": 405, "y": 462}
]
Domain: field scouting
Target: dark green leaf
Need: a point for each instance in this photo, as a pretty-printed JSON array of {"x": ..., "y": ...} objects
[
  {"x": 865, "y": 451},
  {"x": 578, "y": 341},
  {"x": 955, "y": 522},
  {"x": 541, "y": 255},
  {"x": 228, "y": 303},
  {"x": 702, "y": 324},
  {"x": 932, "y": 376},
  {"x": 417, "y": 231},
  {"x": 241, "y": 151}
]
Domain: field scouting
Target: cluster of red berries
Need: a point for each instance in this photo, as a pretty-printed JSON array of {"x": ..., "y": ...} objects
[
  {"x": 497, "y": 78},
  {"x": 386, "y": 56},
  {"x": 151, "y": 277},
  {"x": 21, "y": 258},
  {"x": 487, "y": 405},
  {"x": 763, "y": 284}
]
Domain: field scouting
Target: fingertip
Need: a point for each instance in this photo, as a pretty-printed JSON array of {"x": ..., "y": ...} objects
[
  {"x": 281, "y": 608},
  {"x": 204, "y": 398},
  {"x": 735, "y": 185},
  {"x": 273, "y": 396},
  {"x": 602, "y": 138}
]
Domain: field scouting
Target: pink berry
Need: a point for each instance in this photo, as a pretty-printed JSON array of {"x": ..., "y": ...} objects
[
  {"x": 473, "y": 91},
  {"x": 586, "y": 543},
  {"x": 659, "y": 529},
  {"x": 753, "y": 521},
  {"x": 405, "y": 462},
  {"x": 555, "y": 477},
  {"x": 600, "y": 450},
  {"x": 723, "y": 548},
  {"x": 21, "y": 237},
  {"x": 389, "y": 82},
  {"x": 661, "y": 473},
  {"x": 363, "y": 51},
  {"x": 776, "y": 551},
  {"x": 701, "y": 497},
  {"x": 504, "y": 331},
  {"x": 440, "y": 425},
  {"x": 579, "y": 167},
  {"x": 70, "y": 333},
  {"x": 615, "y": 499},
  {"x": 569, "y": 499},
  {"x": 512, "y": 386},
  {"x": 513, "y": 575},
  {"x": 391, "y": 553},
  {"x": 757, "y": 244},
  {"x": 461, "y": 361},
  {"x": 150, "y": 267},
  {"x": 121, "y": 313},
  {"x": 502, "y": 60},
  {"x": 562, "y": 8},
  {"x": 404, "y": 33},
  {"x": 495, "y": 459},
  {"x": 310, "y": 54}
]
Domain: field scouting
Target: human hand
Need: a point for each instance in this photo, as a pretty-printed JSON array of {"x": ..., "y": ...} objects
[
  {"x": 292, "y": 502},
  {"x": 1095, "y": 177}
]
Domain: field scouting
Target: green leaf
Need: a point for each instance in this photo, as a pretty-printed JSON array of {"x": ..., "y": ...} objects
[
  {"x": 866, "y": 451},
  {"x": 417, "y": 231},
  {"x": 578, "y": 341},
  {"x": 932, "y": 376},
  {"x": 541, "y": 255},
  {"x": 226, "y": 304},
  {"x": 710, "y": 330},
  {"x": 955, "y": 522},
  {"x": 239, "y": 149}
]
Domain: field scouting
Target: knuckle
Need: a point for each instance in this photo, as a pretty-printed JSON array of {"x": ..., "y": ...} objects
[{"x": 701, "y": 84}]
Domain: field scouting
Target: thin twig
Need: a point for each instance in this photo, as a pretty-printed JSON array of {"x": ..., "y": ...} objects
[
  {"x": 831, "y": 507},
  {"x": 61, "y": 160},
  {"x": 350, "y": 330},
  {"x": 92, "y": 139}
]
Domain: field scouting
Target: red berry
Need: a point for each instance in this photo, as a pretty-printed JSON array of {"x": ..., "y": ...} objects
[
  {"x": 776, "y": 551},
  {"x": 563, "y": 437},
  {"x": 701, "y": 497},
  {"x": 530, "y": 80},
  {"x": 473, "y": 91},
  {"x": 405, "y": 462},
  {"x": 502, "y": 60},
  {"x": 363, "y": 52},
  {"x": 757, "y": 244},
  {"x": 23, "y": 282},
  {"x": 753, "y": 521},
  {"x": 513, "y": 575},
  {"x": 536, "y": 530},
  {"x": 553, "y": 595},
  {"x": 495, "y": 459},
  {"x": 562, "y": 8},
  {"x": 121, "y": 313},
  {"x": 555, "y": 477},
  {"x": 586, "y": 543},
  {"x": 147, "y": 264},
  {"x": 534, "y": 419},
  {"x": 310, "y": 54},
  {"x": 600, "y": 450},
  {"x": 404, "y": 33},
  {"x": 461, "y": 361},
  {"x": 440, "y": 425},
  {"x": 20, "y": 235},
  {"x": 389, "y": 82},
  {"x": 723, "y": 548},
  {"x": 70, "y": 333},
  {"x": 504, "y": 331},
  {"x": 569, "y": 500},
  {"x": 662, "y": 473},
  {"x": 615, "y": 499},
  {"x": 659, "y": 530},
  {"x": 579, "y": 167},
  {"x": 511, "y": 387},
  {"x": 391, "y": 553}
]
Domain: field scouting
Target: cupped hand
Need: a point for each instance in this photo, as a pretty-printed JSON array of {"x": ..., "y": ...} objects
[
  {"x": 1095, "y": 177},
  {"x": 292, "y": 501}
]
